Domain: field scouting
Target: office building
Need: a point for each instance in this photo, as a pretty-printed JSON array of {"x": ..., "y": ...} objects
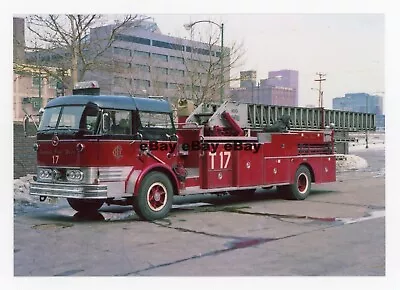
[
  {"x": 248, "y": 79},
  {"x": 32, "y": 86},
  {"x": 364, "y": 103},
  {"x": 287, "y": 79},
  {"x": 274, "y": 90},
  {"x": 359, "y": 102},
  {"x": 147, "y": 62}
]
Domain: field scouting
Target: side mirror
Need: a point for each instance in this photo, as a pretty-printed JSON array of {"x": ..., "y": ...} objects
[
  {"x": 40, "y": 115},
  {"x": 29, "y": 130},
  {"x": 106, "y": 122},
  {"x": 25, "y": 125}
]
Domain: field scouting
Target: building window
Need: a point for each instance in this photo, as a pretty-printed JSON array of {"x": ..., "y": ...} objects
[
  {"x": 161, "y": 57},
  {"x": 142, "y": 83},
  {"x": 194, "y": 63},
  {"x": 173, "y": 86},
  {"x": 160, "y": 70},
  {"x": 122, "y": 65},
  {"x": 202, "y": 51},
  {"x": 161, "y": 85},
  {"x": 177, "y": 72},
  {"x": 122, "y": 82},
  {"x": 122, "y": 51},
  {"x": 134, "y": 39},
  {"x": 176, "y": 86},
  {"x": 168, "y": 45},
  {"x": 52, "y": 82},
  {"x": 176, "y": 59},
  {"x": 36, "y": 102},
  {"x": 37, "y": 81},
  {"x": 142, "y": 68},
  {"x": 142, "y": 54}
]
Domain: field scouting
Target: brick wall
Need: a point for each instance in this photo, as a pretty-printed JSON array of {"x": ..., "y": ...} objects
[{"x": 24, "y": 155}]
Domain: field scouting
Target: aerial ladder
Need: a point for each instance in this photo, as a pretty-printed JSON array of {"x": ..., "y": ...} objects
[{"x": 236, "y": 119}]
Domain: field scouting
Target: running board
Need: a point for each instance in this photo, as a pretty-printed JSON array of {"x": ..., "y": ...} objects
[{"x": 198, "y": 190}]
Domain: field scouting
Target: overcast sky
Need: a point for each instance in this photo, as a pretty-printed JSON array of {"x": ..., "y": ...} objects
[
  {"x": 349, "y": 48},
  {"x": 348, "y": 45}
]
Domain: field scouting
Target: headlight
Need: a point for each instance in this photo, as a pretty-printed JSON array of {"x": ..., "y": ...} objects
[
  {"x": 74, "y": 175},
  {"x": 45, "y": 174}
]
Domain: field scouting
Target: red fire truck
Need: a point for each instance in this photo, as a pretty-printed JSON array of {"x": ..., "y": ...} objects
[{"x": 94, "y": 149}]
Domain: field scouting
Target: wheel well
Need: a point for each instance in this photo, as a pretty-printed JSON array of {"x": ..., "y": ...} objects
[
  {"x": 169, "y": 175},
  {"x": 310, "y": 169}
]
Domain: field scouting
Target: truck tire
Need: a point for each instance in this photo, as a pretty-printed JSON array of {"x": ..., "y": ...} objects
[
  {"x": 154, "y": 199},
  {"x": 85, "y": 205},
  {"x": 301, "y": 187}
]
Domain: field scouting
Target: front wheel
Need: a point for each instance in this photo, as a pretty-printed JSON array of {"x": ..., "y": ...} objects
[
  {"x": 85, "y": 205},
  {"x": 154, "y": 199}
]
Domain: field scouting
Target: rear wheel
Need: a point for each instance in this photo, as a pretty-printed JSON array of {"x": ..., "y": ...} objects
[
  {"x": 301, "y": 187},
  {"x": 85, "y": 205},
  {"x": 154, "y": 199}
]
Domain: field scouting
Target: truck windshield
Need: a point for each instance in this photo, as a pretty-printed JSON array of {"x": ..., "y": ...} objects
[{"x": 69, "y": 118}]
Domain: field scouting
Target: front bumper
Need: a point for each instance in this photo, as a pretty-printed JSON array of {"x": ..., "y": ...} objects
[{"x": 68, "y": 190}]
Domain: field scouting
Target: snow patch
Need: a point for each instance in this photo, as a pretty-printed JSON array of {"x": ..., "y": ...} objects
[
  {"x": 21, "y": 193},
  {"x": 350, "y": 162},
  {"x": 356, "y": 147},
  {"x": 376, "y": 141}
]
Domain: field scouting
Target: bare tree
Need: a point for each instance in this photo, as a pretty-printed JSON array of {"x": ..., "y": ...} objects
[
  {"x": 203, "y": 69},
  {"x": 66, "y": 42}
]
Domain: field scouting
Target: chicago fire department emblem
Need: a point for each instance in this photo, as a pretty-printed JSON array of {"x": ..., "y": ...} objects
[
  {"x": 55, "y": 140},
  {"x": 117, "y": 152}
]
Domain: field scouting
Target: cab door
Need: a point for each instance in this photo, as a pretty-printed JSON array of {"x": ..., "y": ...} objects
[{"x": 117, "y": 154}]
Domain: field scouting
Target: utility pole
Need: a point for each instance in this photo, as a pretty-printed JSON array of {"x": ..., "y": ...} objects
[{"x": 320, "y": 92}]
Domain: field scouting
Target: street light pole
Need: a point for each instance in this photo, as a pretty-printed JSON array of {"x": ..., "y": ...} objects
[
  {"x": 221, "y": 27},
  {"x": 366, "y": 125},
  {"x": 252, "y": 92}
]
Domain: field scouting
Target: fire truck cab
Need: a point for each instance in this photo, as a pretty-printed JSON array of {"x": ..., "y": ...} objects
[{"x": 94, "y": 149}]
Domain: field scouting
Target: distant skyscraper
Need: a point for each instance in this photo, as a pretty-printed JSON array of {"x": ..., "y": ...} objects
[
  {"x": 359, "y": 102},
  {"x": 272, "y": 91},
  {"x": 248, "y": 79},
  {"x": 288, "y": 79}
]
